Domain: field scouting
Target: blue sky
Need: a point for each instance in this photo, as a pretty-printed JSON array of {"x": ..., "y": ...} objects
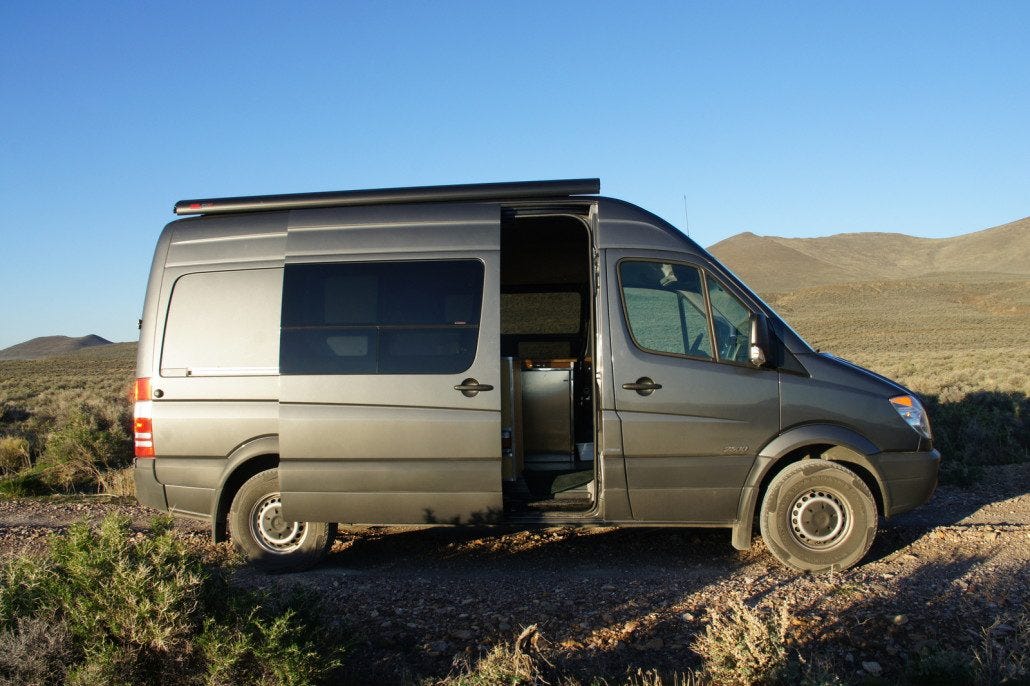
[{"x": 779, "y": 118}]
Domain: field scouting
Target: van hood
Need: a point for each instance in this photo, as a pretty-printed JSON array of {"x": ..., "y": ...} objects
[
  {"x": 834, "y": 369},
  {"x": 890, "y": 384}
]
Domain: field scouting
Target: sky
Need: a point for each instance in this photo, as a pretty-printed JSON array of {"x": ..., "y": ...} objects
[{"x": 787, "y": 119}]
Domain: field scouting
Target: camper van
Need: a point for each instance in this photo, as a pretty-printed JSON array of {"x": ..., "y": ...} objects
[{"x": 527, "y": 354}]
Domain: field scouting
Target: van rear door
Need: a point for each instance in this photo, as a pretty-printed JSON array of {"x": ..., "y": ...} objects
[{"x": 390, "y": 407}]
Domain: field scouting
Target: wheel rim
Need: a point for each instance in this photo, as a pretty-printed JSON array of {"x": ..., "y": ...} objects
[
  {"x": 819, "y": 519},
  {"x": 273, "y": 533}
]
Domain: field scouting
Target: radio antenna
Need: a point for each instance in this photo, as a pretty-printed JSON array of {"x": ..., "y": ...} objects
[{"x": 686, "y": 218}]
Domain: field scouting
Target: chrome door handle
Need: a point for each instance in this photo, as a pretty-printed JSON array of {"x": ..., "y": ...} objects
[
  {"x": 471, "y": 387},
  {"x": 644, "y": 386}
]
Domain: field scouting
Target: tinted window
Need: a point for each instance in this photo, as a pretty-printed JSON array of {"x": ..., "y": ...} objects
[
  {"x": 732, "y": 323},
  {"x": 665, "y": 308},
  {"x": 381, "y": 318}
]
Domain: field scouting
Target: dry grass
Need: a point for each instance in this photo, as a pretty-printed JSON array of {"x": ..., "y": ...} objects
[
  {"x": 14, "y": 455},
  {"x": 70, "y": 417}
]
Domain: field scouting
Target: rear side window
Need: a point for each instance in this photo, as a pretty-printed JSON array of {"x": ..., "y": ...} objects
[
  {"x": 381, "y": 317},
  {"x": 223, "y": 324}
]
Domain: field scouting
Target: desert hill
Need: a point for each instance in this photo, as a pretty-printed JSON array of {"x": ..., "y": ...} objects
[
  {"x": 50, "y": 346},
  {"x": 771, "y": 264}
]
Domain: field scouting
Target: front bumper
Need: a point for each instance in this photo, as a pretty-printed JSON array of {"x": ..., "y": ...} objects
[
  {"x": 910, "y": 478},
  {"x": 149, "y": 491}
]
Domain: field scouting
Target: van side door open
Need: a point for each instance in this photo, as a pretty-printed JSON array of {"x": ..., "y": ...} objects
[
  {"x": 390, "y": 407},
  {"x": 694, "y": 412}
]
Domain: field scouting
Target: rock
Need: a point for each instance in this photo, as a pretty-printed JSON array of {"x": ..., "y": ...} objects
[
  {"x": 462, "y": 634},
  {"x": 653, "y": 644},
  {"x": 872, "y": 667},
  {"x": 440, "y": 646},
  {"x": 687, "y": 617},
  {"x": 900, "y": 619},
  {"x": 608, "y": 587}
]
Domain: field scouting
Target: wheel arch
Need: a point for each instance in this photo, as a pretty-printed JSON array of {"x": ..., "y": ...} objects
[
  {"x": 250, "y": 458},
  {"x": 812, "y": 441}
]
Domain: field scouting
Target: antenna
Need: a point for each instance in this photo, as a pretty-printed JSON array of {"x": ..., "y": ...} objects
[{"x": 686, "y": 218}]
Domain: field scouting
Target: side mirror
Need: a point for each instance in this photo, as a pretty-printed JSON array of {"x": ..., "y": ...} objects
[{"x": 759, "y": 339}]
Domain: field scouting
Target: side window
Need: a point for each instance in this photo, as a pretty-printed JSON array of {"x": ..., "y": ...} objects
[
  {"x": 223, "y": 324},
  {"x": 665, "y": 308},
  {"x": 732, "y": 323},
  {"x": 381, "y": 317}
]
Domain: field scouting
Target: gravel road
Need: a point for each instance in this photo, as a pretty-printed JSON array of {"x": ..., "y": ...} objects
[{"x": 610, "y": 600}]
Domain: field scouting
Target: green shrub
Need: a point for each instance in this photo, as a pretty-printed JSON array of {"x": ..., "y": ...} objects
[
  {"x": 1003, "y": 656},
  {"x": 27, "y": 482},
  {"x": 143, "y": 609},
  {"x": 35, "y": 651},
  {"x": 979, "y": 429},
  {"x": 940, "y": 668},
  {"x": 747, "y": 646},
  {"x": 83, "y": 448},
  {"x": 14, "y": 454},
  {"x": 517, "y": 664}
]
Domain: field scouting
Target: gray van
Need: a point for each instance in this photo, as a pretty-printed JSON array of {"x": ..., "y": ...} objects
[{"x": 524, "y": 353}]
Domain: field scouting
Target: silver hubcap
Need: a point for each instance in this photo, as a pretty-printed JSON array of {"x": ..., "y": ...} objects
[
  {"x": 819, "y": 519},
  {"x": 271, "y": 531}
]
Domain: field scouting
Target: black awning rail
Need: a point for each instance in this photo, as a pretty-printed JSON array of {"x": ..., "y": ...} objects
[{"x": 511, "y": 190}]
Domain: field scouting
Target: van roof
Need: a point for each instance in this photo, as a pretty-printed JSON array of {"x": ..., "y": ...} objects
[{"x": 509, "y": 190}]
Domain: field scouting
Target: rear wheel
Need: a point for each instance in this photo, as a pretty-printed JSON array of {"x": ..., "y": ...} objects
[
  {"x": 260, "y": 533},
  {"x": 818, "y": 516}
]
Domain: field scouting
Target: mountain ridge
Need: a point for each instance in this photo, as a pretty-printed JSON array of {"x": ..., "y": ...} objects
[
  {"x": 773, "y": 264},
  {"x": 51, "y": 346}
]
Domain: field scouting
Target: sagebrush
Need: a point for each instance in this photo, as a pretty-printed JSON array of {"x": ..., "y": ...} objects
[{"x": 125, "y": 608}]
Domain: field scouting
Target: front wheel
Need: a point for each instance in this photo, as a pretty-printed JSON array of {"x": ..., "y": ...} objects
[
  {"x": 817, "y": 516},
  {"x": 260, "y": 533}
]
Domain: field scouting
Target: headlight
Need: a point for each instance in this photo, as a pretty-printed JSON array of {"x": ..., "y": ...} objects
[{"x": 913, "y": 413}]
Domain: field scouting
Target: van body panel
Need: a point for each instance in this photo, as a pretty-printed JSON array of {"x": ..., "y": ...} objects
[
  {"x": 688, "y": 446},
  {"x": 231, "y": 239},
  {"x": 911, "y": 478},
  {"x": 393, "y": 507},
  {"x": 843, "y": 394},
  {"x": 191, "y": 501},
  {"x": 817, "y": 434},
  {"x": 149, "y": 491},
  {"x": 613, "y": 495},
  {"x": 404, "y": 229},
  {"x": 226, "y": 426},
  {"x": 334, "y": 427},
  {"x": 214, "y": 311}
]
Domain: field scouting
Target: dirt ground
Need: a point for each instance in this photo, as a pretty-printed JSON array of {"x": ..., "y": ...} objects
[{"x": 609, "y": 601}]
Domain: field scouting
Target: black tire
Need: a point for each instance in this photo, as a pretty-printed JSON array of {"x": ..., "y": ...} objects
[
  {"x": 262, "y": 536},
  {"x": 818, "y": 516}
]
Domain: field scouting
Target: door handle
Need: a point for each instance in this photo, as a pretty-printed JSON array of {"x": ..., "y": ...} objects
[
  {"x": 644, "y": 386},
  {"x": 471, "y": 387}
]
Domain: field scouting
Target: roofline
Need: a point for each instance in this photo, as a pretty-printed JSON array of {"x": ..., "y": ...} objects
[{"x": 509, "y": 190}]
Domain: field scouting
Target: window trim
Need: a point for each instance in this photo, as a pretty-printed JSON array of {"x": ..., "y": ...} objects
[{"x": 711, "y": 319}]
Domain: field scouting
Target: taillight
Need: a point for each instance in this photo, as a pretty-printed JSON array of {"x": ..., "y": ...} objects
[{"x": 142, "y": 419}]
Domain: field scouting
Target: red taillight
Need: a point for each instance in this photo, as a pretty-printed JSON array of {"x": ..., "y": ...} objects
[
  {"x": 142, "y": 422},
  {"x": 142, "y": 389}
]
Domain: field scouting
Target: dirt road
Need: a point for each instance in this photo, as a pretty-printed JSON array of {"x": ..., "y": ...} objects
[{"x": 611, "y": 600}]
